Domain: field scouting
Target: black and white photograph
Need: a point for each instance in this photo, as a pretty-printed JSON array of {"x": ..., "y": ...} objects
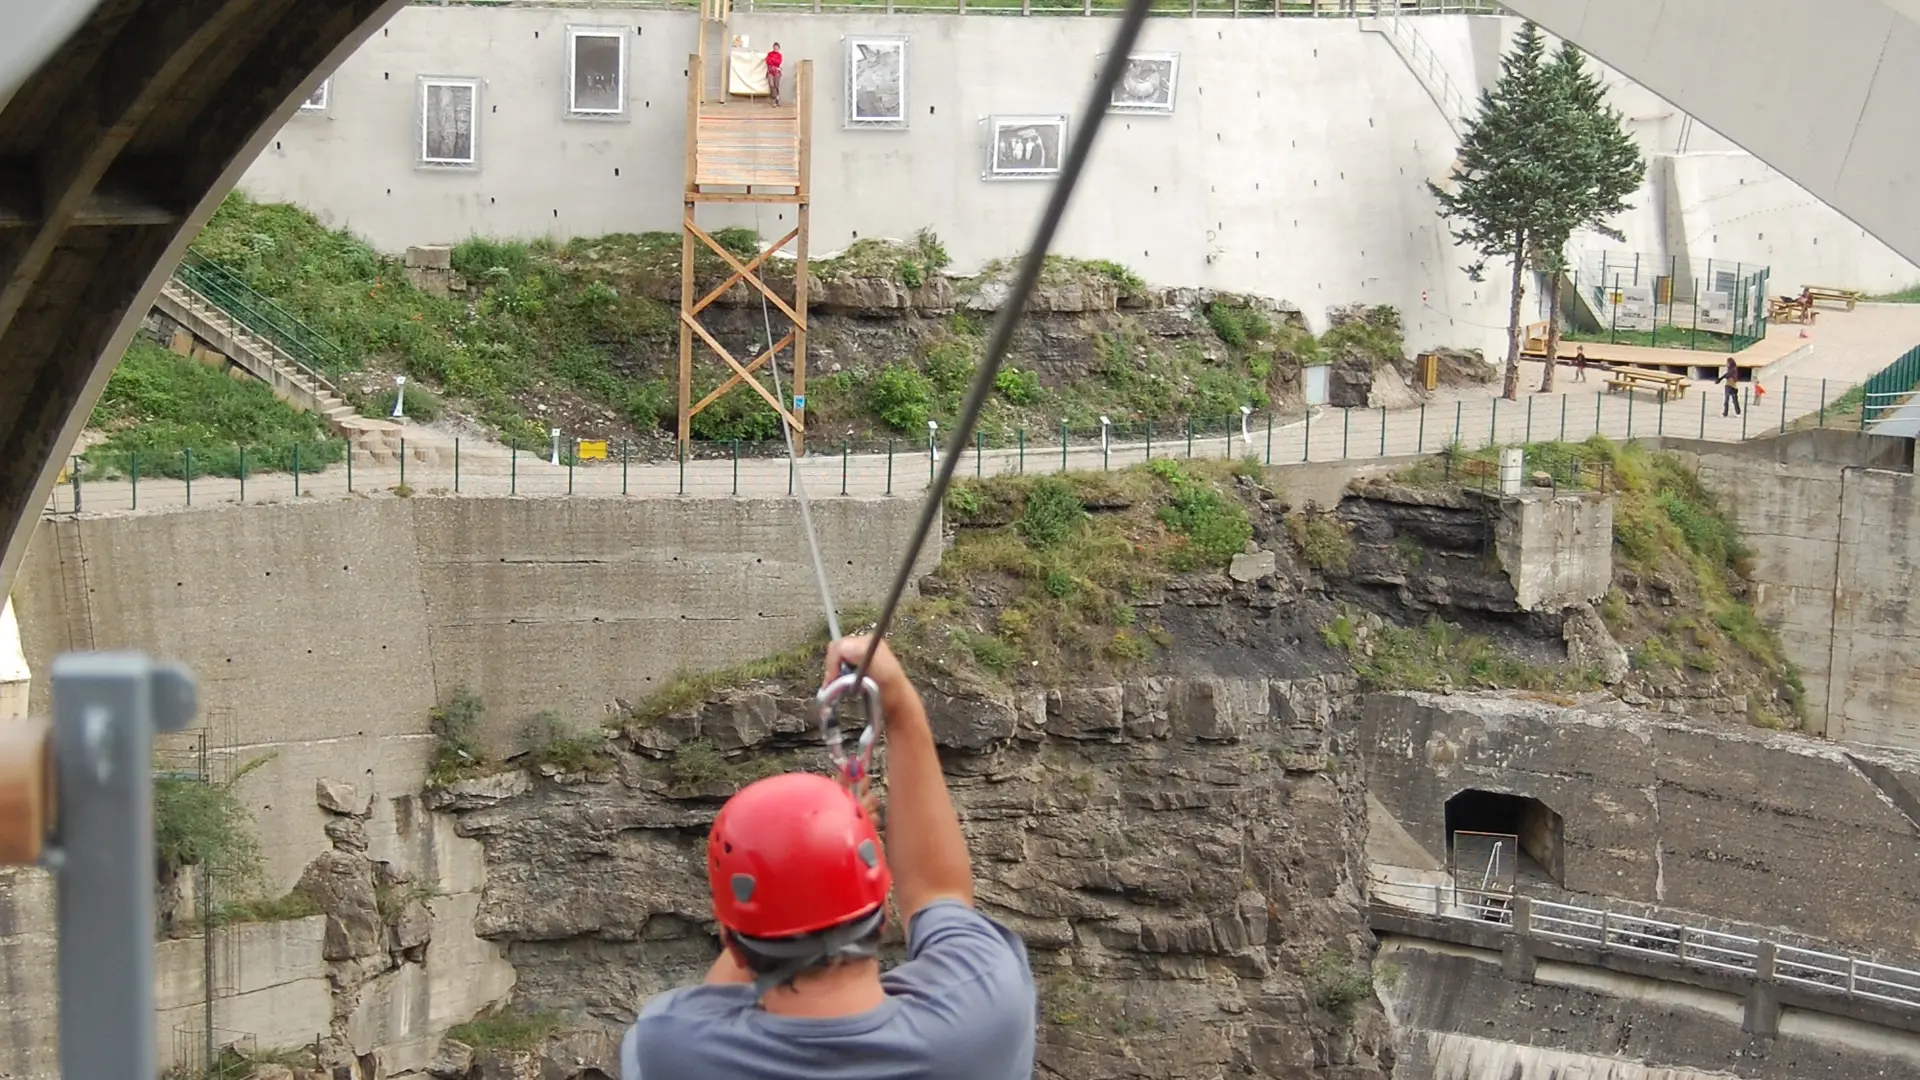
[
  {"x": 317, "y": 101},
  {"x": 447, "y": 121},
  {"x": 1026, "y": 147},
  {"x": 597, "y": 68},
  {"x": 1147, "y": 83},
  {"x": 876, "y": 82}
]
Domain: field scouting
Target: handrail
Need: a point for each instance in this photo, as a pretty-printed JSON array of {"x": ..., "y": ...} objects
[
  {"x": 1613, "y": 931},
  {"x": 1320, "y": 9},
  {"x": 1890, "y": 385},
  {"x": 312, "y": 352},
  {"x": 1426, "y": 67}
]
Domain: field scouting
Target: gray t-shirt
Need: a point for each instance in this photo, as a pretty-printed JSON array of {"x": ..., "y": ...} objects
[{"x": 962, "y": 1007}]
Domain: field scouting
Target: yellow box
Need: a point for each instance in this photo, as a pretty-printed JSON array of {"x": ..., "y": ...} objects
[{"x": 593, "y": 450}]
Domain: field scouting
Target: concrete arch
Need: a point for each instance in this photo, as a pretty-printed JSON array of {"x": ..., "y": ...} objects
[{"x": 112, "y": 155}]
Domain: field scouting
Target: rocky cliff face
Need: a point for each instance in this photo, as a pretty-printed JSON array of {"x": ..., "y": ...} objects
[{"x": 1182, "y": 855}]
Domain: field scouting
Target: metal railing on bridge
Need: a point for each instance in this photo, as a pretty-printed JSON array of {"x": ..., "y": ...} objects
[
  {"x": 314, "y": 353},
  {"x": 1674, "y": 942}
]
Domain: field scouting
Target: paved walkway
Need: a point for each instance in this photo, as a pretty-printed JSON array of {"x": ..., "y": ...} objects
[{"x": 1848, "y": 348}]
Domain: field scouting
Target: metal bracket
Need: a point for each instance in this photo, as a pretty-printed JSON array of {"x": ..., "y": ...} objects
[{"x": 107, "y": 708}]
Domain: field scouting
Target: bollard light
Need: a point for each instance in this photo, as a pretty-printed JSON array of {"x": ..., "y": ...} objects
[
  {"x": 1105, "y": 424},
  {"x": 554, "y": 434},
  {"x": 399, "y": 397},
  {"x": 1246, "y": 435},
  {"x": 933, "y": 440}
]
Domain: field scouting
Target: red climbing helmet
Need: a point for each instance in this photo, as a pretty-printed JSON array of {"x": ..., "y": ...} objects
[{"x": 794, "y": 854}]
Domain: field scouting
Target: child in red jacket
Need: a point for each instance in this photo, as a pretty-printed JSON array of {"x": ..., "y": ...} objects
[{"x": 773, "y": 72}]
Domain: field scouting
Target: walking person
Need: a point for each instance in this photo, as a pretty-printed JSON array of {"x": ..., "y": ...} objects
[
  {"x": 774, "y": 60},
  {"x": 799, "y": 885},
  {"x": 1580, "y": 363},
  {"x": 1731, "y": 379}
]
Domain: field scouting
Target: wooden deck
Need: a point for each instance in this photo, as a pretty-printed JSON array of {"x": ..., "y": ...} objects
[
  {"x": 747, "y": 144},
  {"x": 1753, "y": 360}
]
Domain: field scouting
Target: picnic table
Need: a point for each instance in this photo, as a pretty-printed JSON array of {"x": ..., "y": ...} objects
[
  {"x": 1792, "y": 309},
  {"x": 1815, "y": 294},
  {"x": 1661, "y": 383}
]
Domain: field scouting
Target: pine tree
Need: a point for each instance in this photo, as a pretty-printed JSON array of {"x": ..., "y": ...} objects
[
  {"x": 1502, "y": 184},
  {"x": 1597, "y": 165}
]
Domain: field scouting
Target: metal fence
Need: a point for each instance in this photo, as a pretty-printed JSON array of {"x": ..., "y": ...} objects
[
  {"x": 108, "y": 479},
  {"x": 1665, "y": 301},
  {"x": 1193, "y": 8},
  {"x": 1889, "y": 387},
  {"x": 259, "y": 314},
  {"x": 1679, "y": 943}
]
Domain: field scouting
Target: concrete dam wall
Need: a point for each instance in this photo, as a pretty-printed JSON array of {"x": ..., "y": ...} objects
[{"x": 325, "y": 633}]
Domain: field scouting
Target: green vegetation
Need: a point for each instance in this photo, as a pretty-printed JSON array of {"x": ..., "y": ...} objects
[
  {"x": 1904, "y": 296},
  {"x": 234, "y": 1064},
  {"x": 688, "y": 689},
  {"x": 1667, "y": 337},
  {"x": 201, "y": 823},
  {"x": 1324, "y": 541},
  {"x": 158, "y": 404},
  {"x": 1668, "y": 527},
  {"x": 456, "y": 732},
  {"x": 1544, "y": 157},
  {"x": 1438, "y": 655},
  {"x": 1338, "y": 984},
  {"x": 1213, "y": 523},
  {"x": 593, "y": 319},
  {"x": 506, "y": 1030},
  {"x": 556, "y": 743}
]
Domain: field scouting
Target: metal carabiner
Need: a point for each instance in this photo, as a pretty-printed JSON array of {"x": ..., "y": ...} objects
[{"x": 856, "y": 769}]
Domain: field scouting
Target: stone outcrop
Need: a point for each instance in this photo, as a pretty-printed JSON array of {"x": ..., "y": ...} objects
[{"x": 1182, "y": 855}]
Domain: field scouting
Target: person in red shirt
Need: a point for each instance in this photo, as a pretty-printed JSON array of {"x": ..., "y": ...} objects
[{"x": 773, "y": 72}]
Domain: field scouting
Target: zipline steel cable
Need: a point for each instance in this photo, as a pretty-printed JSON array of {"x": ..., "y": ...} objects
[{"x": 855, "y": 769}]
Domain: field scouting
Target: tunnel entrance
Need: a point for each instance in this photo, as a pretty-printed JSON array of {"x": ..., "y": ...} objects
[{"x": 1476, "y": 819}]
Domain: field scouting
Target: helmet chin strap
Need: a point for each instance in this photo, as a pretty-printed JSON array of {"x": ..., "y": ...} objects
[{"x": 846, "y": 942}]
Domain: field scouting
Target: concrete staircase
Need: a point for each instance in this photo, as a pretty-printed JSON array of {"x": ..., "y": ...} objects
[{"x": 371, "y": 441}]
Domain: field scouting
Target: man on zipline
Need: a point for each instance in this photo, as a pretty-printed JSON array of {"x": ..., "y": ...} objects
[{"x": 799, "y": 887}]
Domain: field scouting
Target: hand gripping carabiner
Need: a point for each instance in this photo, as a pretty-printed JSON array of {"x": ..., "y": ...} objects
[{"x": 856, "y": 769}]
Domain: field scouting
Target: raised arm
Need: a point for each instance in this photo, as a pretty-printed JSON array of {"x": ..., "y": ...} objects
[{"x": 925, "y": 847}]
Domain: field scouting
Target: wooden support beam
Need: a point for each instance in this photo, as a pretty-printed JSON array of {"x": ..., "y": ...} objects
[
  {"x": 735, "y": 379},
  {"x": 745, "y": 197},
  {"x": 721, "y": 351},
  {"x": 734, "y": 279},
  {"x": 803, "y": 94},
  {"x": 740, "y": 268}
]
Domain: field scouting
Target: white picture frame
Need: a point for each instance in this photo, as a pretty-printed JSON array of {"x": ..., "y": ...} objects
[
  {"x": 1025, "y": 147},
  {"x": 321, "y": 97},
  {"x": 876, "y": 82},
  {"x": 448, "y": 135},
  {"x": 1147, "y": 84},
  {"x": 593, "y": 91}
]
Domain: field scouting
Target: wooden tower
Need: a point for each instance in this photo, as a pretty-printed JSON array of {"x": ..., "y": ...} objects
[{"x": 743, "y": 150}]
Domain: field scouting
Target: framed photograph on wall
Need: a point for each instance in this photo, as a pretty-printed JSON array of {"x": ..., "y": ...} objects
[
  {"x": 1025, "y": 147},
  {"x": 317, "y": 101},
  {"x": 876, "y": 82},
  {"x": 596, "y": 72},
  {"x": 449, "y": 122},
  {"x": 1147, "y": 83}
]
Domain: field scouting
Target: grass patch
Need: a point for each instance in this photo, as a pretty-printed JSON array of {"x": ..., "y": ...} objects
[
  {"x": 554, "y": 742},
  {"x": 506, "y": 1030},
  {"x": 1325, "y": 544},
  {"x": 1667, "y": 337},
  {"x": 1438, "y": 654},
  {"x": 688, "y": 689},
  {"x": 158, "y": 405},
  {"x": 1213, "y": 524},
  {"x": 456, "y": 732},
  {"x": 1338, "y": 984}
]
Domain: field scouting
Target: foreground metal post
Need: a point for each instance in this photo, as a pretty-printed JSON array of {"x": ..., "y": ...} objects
[{"x": 107, "y": 708}]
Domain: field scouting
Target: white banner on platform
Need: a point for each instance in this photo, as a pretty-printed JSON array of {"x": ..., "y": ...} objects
[
  {"x": 1633, "y": 308},
  {"x": 1716, "y": 312}
]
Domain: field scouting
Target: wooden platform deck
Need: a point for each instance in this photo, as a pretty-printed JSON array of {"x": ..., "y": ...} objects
[
  {"x": 747, "y": 143},
  {"x": 1753, "y": 360}
]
